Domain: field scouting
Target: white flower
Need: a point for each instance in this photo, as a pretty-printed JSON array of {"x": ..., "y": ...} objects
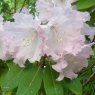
[
  {"x": 63, "y": 2},
  {"x": 48, "y": 9},
  {"x": 66, "y": 42},
  {"x": 68, "y": 65},
  {"x": 64, "y": 31},
  {"x": 60, "y": 35},
  {"x": 44, "y": 7},
  {"x": 21, "y": 39}
]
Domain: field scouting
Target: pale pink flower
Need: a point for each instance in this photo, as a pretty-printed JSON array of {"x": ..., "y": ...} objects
[
  {"x": 63, "y": 2},
  {"x": 44, "y": 7},
  {"x": 64, "y": 31},
  {"x": 69, "y": 65},
  {"x": 21, "y": 39},
  {"x": 47, "y": 8},
  {"x": 61, "y": 35},
  {"x": 66, "y": 41}
]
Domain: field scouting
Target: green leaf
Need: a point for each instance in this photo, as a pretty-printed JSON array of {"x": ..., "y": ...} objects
[
  {"x": 3, "y": 71},
  {"x": 84, "y": 4},
  {"x": 52, "y": 87},
  {"x": 92, "y": 21},
  {"x": 74, "y": 86},
  {"x": 30, "y": 82},
  {"x": 27, "y": 80},
  {"x": 12, "y": 78}
]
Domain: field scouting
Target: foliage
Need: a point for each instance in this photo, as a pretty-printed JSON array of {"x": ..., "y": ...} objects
[{"x": 35, "y": 79}]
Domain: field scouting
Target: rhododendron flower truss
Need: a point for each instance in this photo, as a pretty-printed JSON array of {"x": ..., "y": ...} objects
[
  {"x": 66, "y": 37},
  {"x": 59, "y": 31},
  {"x": 21, "y": 39}
]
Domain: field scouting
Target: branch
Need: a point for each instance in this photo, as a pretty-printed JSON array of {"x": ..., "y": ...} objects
[{"x": 22, "y": 5}]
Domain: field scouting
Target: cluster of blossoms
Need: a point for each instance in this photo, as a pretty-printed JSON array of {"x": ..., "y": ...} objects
[{"x": 58, "y": 31}]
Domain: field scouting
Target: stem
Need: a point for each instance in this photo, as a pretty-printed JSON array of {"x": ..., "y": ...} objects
[
  {"x": 90, "y": 67},
  {"x": 93, "y": 75},
  {"x": 23, "y": 5}
]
